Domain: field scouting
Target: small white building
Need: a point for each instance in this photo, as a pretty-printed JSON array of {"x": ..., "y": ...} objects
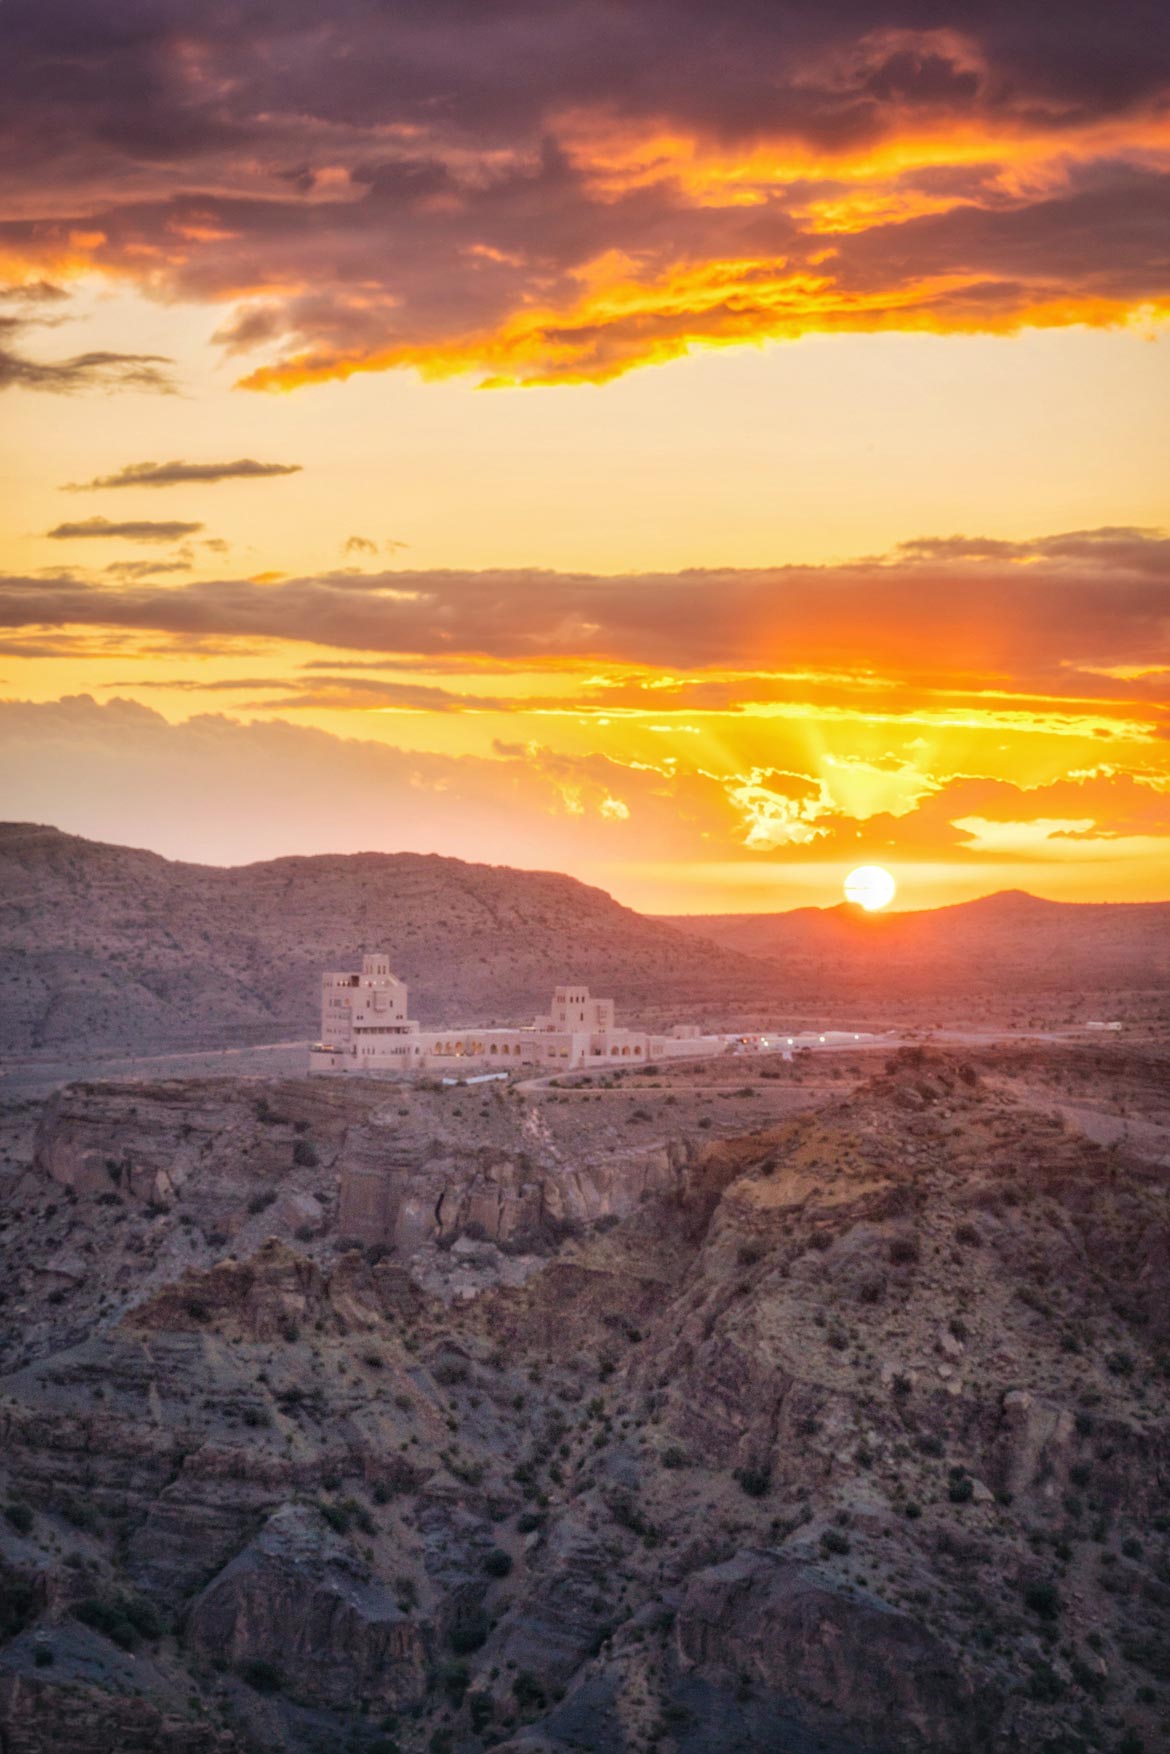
[{"x": 365, "y": 1028}]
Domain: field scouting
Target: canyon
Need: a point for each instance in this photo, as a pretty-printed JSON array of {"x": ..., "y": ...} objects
[{"x": 819, "y": 1405}]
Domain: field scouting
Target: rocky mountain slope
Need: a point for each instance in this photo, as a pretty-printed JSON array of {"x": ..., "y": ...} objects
[
  {"x": 849, "y": 1432},
  {"x": 106, "y": 948},
  {"x": 1012, "y": 954}
]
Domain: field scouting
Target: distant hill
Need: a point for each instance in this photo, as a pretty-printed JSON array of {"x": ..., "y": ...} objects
[
  {"x": 1004, "y": 949},
  {"x": 105, "y": 947}
]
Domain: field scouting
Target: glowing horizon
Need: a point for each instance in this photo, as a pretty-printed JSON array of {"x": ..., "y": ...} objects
[{"x": 728, "y": 453}]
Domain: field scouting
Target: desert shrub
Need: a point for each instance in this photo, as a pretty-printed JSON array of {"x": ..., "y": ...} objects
[
  {"x": 481, "y": 1710},
  {"x": 528, "y": 1692},
  {"x": 961, "y": 1490},
  {"x": 904, "y": 1252},
  {"x": 749, "y": 1254},
  {"x": 450, "y": 1371},
  {"x": 261, "y": 1675},
  {"x": 1044, "y": 1684},
  {"x": 968, "y": 1236},
  {"x": 305, "y": 1154},
  {"x": 20, "y": 1516},
  {"x": 18, "y": 1602},
  {"x": 673, "y": 1457},
  {"x": 834, "y": 1541},
  {"x": 80, "y": 1513},
  {"x": 497, "y": 1563},
  {"x": 43, "y": 1656},
  {"x": 456, "y": 1678},
  {"x": 468, "y": 1633},
  {"x": 123, "y": 1618},
  {"x": 756, "y": 1482},
  {"x": 1042, "y": 1598},
  {"x": 261, "y": 1202}
]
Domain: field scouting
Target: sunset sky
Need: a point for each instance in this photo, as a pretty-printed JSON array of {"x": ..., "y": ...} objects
[{"x": 698, "y": 447}]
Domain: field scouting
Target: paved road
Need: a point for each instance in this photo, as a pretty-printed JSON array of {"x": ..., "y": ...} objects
[{"x": 287, "y": 1059}]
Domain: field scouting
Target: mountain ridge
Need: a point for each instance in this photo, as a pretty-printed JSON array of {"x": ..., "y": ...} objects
[{"x": 105, "y": 947}]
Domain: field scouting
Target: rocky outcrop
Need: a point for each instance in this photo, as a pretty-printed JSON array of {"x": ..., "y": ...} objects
[
  {"x": 92, "y": 1698},
  {"x": 843, "y": 1654},
  {"x": 296, "y": 1600}
]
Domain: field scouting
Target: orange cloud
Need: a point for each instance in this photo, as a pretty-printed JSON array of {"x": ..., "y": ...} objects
[{"x": 681, "y": 183}]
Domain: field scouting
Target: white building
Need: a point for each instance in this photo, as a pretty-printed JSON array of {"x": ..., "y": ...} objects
[{"x": 365, "y": 1028}]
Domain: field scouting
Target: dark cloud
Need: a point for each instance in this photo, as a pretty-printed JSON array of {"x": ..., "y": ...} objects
[
  {"x": 441, "y": 186},
  {"x": 86, "y": 371},
  {"x": 1054, "y": 614},
  {"x": 177, "y": 474},
  {"x": 33, "y": 292},
  {"x": 334, "y": 693},
  {"x": 30, "y": 304},
  {"x": 133, "y": 530},
  {"x": 359, "y": 545},
  {"x": 146, "y": 569}
]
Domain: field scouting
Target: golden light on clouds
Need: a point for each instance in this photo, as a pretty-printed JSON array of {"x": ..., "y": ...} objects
[{"x": 813, "y": 518}]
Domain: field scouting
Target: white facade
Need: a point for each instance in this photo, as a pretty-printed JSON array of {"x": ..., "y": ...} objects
[{"x": 365, "y": 1028}]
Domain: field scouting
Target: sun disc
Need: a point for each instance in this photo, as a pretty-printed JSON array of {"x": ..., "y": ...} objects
[{"x": 870, "y": 887}]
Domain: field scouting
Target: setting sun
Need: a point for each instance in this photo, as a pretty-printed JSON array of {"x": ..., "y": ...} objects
[{"x": 870, "y": 887}]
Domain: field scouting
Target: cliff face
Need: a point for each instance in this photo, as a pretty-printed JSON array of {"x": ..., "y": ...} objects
[{"x": 850, "y": 1432}]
